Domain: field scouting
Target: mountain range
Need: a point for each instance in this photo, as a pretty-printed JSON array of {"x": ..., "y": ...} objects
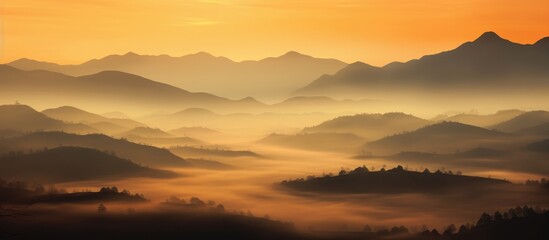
[
  {"x": 269, "y": 78},
  {"x": 485, "y": 66}
]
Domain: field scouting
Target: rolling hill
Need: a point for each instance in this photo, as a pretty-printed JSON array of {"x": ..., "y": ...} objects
[
  {"x": 75, "y": 115},
  {"x": 523, "y": 121},
  {"x": 370, "y": 126},
  {"x": 141, "y": 154},
  {"x": 106, "y": 91},
  {"x": 541, "y": 146},
  {"x": 316, "y": 141},
  {"x": 65, "y": 164},
  {"x": 309, "y": 104},
  {"x": 22, "y": 118},
  {"x": 146, "y": 132},
  {"x": 440, "y": 137},
  {"x": 484, "y": 120},
  {"x": 212, "y": 152},
  {"x": 197, "y": 132},
  {"x": 163, "y": 142},
  {"x": 539, "y": 130}
]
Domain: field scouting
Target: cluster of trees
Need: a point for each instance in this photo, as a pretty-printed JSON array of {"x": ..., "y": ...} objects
[
  {"x": 33, "y": 187},
  {"x": 363, "y": 169},
  {"x": 195, "y": 202},
  {"x": 519, "y": 220},
  {"x": 114, "y": 189},
  {"x": 538, "y": 183},
  {"x": 385, "y": 231},
  {"x": 518, "y": 212},
  {"x": 486, "y": 221}
]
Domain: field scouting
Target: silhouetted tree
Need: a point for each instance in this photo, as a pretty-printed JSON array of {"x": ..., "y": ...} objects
[
  {"x": 450, "y": 229},
  {"x": 498, "y": 218},
  {"x": 484, "y": 220},
  {"x": 462, "y": 229},
  {"x": 424, "y": 228}
]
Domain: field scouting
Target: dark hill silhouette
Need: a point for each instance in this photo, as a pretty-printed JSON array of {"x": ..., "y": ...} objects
[
  {"x": 392, "y": 181},
  {"x": 484, "y": 120},
  {"x": 160, "y": 222},
  {"x": 75, "y": 115},
  {"x": 316, "y": 141},
  {"x": 23, "y": 118},
  {"x": 111, "y": 89},
  {"x": 65, "y": 164},
  {"x": 444, "y": 137},
  {"x": 523, "y": 121},
  {"x": 269, "y": 77},
  {"x": 370, "y": 126},
  {"x": 486, "y": 64},
  {"x": 19, "y": 193},
  {"x": 87, "y": 198},
  {"x": 141, "y": 154}
]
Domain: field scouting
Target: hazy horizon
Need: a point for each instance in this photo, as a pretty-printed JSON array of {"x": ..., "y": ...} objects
[
  {"x": 372, "y": 29},
  {"x": 270, "y": 120}
]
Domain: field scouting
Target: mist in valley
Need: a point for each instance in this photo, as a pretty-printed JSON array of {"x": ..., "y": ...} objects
[{"x": 453, "y": 144}]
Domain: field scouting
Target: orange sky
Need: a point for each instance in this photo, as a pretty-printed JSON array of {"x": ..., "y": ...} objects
[{"x": 373, "y": 31}]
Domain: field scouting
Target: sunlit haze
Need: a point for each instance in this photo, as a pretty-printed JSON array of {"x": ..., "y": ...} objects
[{"x": 372, "y": 31}]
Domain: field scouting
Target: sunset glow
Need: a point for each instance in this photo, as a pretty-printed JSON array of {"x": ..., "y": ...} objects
[{"x": 372, "y": 31}]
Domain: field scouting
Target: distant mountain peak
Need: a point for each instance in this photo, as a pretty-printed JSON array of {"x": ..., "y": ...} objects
[
  {"x": 489, "y": 37},
  {"x": 131, "y": 54},
  {"x": 248, "y": 99},
  {"x": 202, "y": 54},
  {"x": 293, "y": 54}
]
